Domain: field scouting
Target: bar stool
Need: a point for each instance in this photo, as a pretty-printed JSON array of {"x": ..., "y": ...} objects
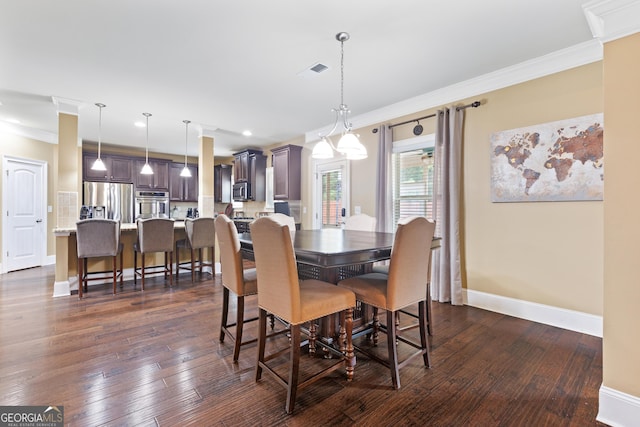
[
  {"x": 200, "y": 234},
  {"x": 154, "y": 235},
  {"x": 97, "y": 238}
]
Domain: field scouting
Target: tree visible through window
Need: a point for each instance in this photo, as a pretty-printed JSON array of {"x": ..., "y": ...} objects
[
  {"x": 413, "y": 184},
  {"x": 331, "y": 198}
]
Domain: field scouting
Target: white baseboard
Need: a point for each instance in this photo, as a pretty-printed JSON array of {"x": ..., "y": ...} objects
[
  {"x": 567, "y": 319},
  {"x": 617, "y": 408}
]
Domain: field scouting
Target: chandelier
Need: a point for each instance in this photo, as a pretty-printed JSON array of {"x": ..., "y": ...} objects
[
  {"x": 186, "y": 173},
  {"x": 98, "y": 165},
  {"x": 348, "y": 144},
  {"x": 146, "y": 169}
]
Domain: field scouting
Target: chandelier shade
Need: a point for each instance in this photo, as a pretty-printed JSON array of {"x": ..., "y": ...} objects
[
  {"x": 349, "y": 144},
  {"x": 99, "y": 165}
]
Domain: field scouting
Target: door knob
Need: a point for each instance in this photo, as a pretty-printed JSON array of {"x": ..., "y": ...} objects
[{"x": 38, "y": 220}]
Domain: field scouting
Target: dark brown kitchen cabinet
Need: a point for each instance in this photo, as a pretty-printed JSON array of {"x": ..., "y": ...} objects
[
  {"x": 183, "y": 189},
  {"x": 286, "y": 163},
  {"x": 160, "y": 178},
  {"x": 118, "y": 168},
  {"x": 222, "y": 183},
  {"x": 250, "y": 166}
]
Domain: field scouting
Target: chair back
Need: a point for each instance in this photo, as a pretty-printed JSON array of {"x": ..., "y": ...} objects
[
  {"x": 360, "y": 222},
  {"x": 410, "y": 261},
  {"x": 200, "y": 232},
  {"x": 97, "y": 237},
  {"x": 155, "y": 235},
  {"x": 278, "y": 286},
  {"x": 230, "y": 255},
  {"x": 288, "y": 221}
]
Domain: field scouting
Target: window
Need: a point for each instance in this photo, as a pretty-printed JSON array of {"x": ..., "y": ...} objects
[
  {"x": 413, "y": 166},
  {"x": 331, "y": 193}
]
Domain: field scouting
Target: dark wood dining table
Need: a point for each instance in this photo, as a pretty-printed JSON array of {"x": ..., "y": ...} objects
[{"x": 333, "y": 254}]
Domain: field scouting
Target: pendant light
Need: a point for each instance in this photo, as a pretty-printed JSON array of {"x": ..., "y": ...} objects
[
  {"x": 186, "y": 173},
  {"x": 146, "y": 169},
  {"x": 98, "y": 165},
  {"x": 349, "y": 144}
]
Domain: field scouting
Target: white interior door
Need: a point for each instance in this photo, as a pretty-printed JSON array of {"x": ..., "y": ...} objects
[
  {"x": 332, "y": 193},
  {"x": 24, "y": 244}
]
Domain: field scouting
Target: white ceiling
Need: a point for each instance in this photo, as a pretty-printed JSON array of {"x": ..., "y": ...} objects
[{"x": 233, "y": 65}]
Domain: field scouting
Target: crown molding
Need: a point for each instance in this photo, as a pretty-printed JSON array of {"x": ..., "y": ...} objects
[
  {"x": 208, "y": 131},
  {"x": 67, "y": 106},
  {"x": 27, "y": 132},
  {"x": 564, "y": 59},
  {"x": 612, "y": 19}
]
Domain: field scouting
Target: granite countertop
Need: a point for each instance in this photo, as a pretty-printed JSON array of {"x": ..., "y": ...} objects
[{"x": 130, "y": 226}]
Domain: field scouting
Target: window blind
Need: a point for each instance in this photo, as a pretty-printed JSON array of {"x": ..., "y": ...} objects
[
  {"x": 413, "y": 183},
  {"x": 331, "y": 198}
]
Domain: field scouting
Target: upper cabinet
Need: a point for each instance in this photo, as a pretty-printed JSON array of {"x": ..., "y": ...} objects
[
  {"x": 250, "y": 166},
  {"x": 160, "y": 178},
  {"x": 118, "y": 168},
  {"x": 183, "y": 189},
  {"x": 286, "y": 162},
  {"x": 222, "y": 183}
]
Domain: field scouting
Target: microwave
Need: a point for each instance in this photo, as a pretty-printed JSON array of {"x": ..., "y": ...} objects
[{"x": 241, "y": 191}]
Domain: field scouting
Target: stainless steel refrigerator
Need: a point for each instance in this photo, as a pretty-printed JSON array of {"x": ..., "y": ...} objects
[{"x": 117, "y": 199}]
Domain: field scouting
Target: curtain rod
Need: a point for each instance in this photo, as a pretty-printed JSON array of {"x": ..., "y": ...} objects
[{"x": 474, "y": 104}]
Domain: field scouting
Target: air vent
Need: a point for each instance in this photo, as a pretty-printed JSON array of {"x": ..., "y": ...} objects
[{"x": 313, "y": 70}]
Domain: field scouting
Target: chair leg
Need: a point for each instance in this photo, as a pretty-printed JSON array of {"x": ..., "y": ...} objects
[
  {"x": 80, "y": 277},
  {"x": 193, "y": 273},
  {"x": 200, "y": 260},
  {"x": 135, "y": 267},
  {"x": 423, "y": 322},
  {"x": 312, "y": 337},
  {"x": 85, "y": 281},
  {"x": 122, "y": 271},
  {"x": 294, "y": 362},
  {"x": 225, "y": 312},
  {"x": 115, "y": 274},
  {"x": 393, "y": 349},
  {"x": 142, "y": 267},
  {"x": 376, "y": 326},
  {"x": 239, "y": 327},
  {"x": 428, "y": 306},
  {"x": 170, "y": 268},
  {"x": 262, "y": 338}
]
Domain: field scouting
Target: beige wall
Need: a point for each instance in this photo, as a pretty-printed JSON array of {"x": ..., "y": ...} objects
[
  {"x": 547, "y": 253},
  {"x": 26, "y": 148},
  {"x": 621, "y": 348}
]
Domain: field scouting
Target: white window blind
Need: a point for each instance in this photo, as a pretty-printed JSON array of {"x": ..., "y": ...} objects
[
  {"x": 413, "y": 182},
  {"x": 331, "y": 198}
]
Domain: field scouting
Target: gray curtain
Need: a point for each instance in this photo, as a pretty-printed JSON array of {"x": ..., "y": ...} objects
[
  {"x": 384, "y": 201},
  {"x": 446, "y": 283}
]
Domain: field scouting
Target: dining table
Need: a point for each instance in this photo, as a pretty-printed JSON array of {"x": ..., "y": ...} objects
[{"x": 334, "y": 254}]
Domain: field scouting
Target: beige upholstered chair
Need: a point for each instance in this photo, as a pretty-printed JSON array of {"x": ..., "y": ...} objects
[
  {"x": 405, "y": 285},
  {"x": 241, "y": 282},
  {"x": 360, "y": 222},
  {"x": 288, "y": 221},
  {"x": 154, "y": 235},
  {"x": 200, "y": 234},
  {"x": 296, "y": 302},
  {"x": 97, "y": 238}
]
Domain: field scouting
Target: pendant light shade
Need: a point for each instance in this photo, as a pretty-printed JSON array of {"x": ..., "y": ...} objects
[
  {"x": 98, "y": 165},
  {"x": 146, "y": 169},
  {"x": 349, "y": 144},
  {"x": 186, "y": 173}
]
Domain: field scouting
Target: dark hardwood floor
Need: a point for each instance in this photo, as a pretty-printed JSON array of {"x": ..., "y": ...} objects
[{"x": 153, "y": 358}]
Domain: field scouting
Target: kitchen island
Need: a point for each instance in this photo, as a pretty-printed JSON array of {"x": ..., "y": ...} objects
[{"x": 66, "y": 275}]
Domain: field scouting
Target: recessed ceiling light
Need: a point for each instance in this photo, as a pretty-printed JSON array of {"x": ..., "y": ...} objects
[
  {"x": 14, "y": 121},
  {"x": 139, "y": 124},
  {"x": 247, "y": 133}
]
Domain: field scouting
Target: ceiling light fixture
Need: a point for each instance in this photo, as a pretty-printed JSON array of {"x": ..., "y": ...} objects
[
  {"x": 98, "y": 165},
  {"x": 186, "y": 173},
  {"x": 348, "y": 144},
  {"x": 146, "y": 169}
]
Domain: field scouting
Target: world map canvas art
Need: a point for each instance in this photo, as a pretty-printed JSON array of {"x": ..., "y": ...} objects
[{"x": 556, "y": 161}]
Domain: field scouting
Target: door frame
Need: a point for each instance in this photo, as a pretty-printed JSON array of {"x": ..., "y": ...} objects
[
  {"x": 329, "y": 164},
  {"x": 5, "y": 201}
]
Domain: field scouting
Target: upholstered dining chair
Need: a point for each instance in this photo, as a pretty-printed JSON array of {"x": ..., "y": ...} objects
[
  {"x": 200, "y": 234},
  {"x": 360, "y": 222},
  {"x": 405, "y": 285},
  {"x": 236, "y": 279},
  {"x": 154, "y": 235},
  {"x": 98, "y": 238},
  {"x": 296, "y": 302},
  {"x": 288, "y": 220}
]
